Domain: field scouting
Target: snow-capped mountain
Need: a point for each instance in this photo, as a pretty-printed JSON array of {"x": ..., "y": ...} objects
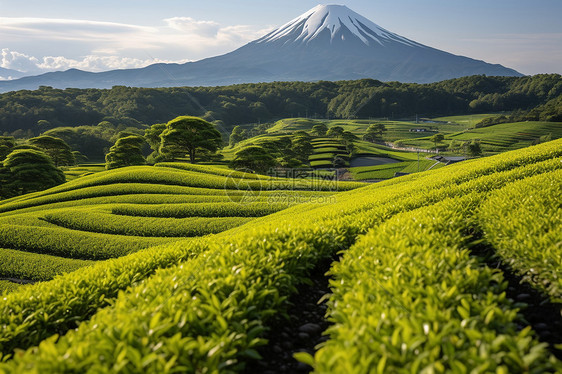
[
  {"x": 335, "y": 19},
  {"x": 329, "y": 42}
]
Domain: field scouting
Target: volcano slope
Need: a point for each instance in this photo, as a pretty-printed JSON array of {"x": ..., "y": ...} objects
[{"x": 410, "y": 294}]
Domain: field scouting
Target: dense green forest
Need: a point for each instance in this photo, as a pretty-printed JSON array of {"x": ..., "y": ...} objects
[{"x": 28, "y": 113}]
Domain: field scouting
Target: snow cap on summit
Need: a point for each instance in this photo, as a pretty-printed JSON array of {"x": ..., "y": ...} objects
[{"x": 334, "y": 18}]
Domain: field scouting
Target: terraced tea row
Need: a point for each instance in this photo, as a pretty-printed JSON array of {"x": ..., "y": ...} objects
[
  {"x": 99, "y": 222},
  {"x": 208, "y": 313},
  {"x": 108, "y": 215},
  {"x": 409, "y": 297},
  {"x": 36, "y": 267},
  {"x": 199, "y": 210},
  {"x": 523, "y": 222}
]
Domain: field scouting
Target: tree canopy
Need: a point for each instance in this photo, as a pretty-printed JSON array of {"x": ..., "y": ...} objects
[
  {"x": 152, "y": 135},
  {"x": 187, "y": 135},
  {"x": 257, "y": 103},
  {"x": 238, "y": 134},
  {"x": 56, "y": 148},
  {"x": 437, "y": 138},
  {"x": 319, "y": 130},
  {"x": 7, "y": 144},
  {"x": 29, "y": 170},
  {"x": 253, "y": 158},
  {"x": 374, "y": 132},
  {"x": 126, "y": 151},
  {"x": 302, "y": 148},
  {"x": 335, "y": 131}
]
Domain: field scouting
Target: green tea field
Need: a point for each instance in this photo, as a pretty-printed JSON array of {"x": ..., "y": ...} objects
[
  {"x": 182, "y": 268},
  {"x": 114, "y": 213}
]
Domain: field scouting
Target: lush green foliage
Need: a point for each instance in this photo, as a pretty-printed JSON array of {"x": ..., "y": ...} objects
[
  {"x": 142, "y": 193},
  {"x": 86, "y": 204},
  {"x": 253, "y": 159},
  {"x": 27, "y": 170},
  {"x": 207, "y": 313},
  {"x": 387, "y": 171},
  {"x": 91, "y": 141},
  {"x": 141, "y": 226},
  {"x": 252, "y": 103},
  {"x": 188, "y": 135},
  {"x": 8, "y": 286},
  {"x": 232, "y": 209},
  {"x": 211, "y": 169},
  {"x": 319, "y": 130},
  {"x": 374, "y": 132},
  {"x": 417, "y": 301},
  {"x": 126, "y": 151},
  {"x": 238, "y": 134},
  {"x": 523, "y": 222},
  {"x": 7, "y": 144},
  {"x": 39, "y": 311},
  {"x": 36, "y": 267},
  {"x": 55, "y": 148},
  {"x": 494, "y": 138},
  {"x": 63, "y": 242},
  {"x": 81, "y": 170}
]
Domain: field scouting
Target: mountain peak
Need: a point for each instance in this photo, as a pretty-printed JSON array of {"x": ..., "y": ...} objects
[
  {"x": 329, "y": 42},
  {"x": 336, "y": 20}
]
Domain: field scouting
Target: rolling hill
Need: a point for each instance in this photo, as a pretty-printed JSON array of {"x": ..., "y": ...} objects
[
  {"x": 418, "y": 275},
  {"x": 114, "y": 213}
]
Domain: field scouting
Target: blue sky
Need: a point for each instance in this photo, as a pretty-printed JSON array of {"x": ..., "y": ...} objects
[{"x": 38, "y": 36}]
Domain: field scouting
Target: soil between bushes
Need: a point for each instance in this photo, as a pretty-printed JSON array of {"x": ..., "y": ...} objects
[{"x": 301, "y": 333}]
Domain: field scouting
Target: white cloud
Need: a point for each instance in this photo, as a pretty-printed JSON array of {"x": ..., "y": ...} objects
[
  {"x": 30, "y": 64},
  {"x": 189, "y": 25},
  {"x": 18, "y": 61},
  {"x": 35, "y": 45}
]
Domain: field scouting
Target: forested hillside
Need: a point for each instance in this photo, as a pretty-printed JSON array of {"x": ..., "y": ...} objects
[{"x": 254, "y": 103}]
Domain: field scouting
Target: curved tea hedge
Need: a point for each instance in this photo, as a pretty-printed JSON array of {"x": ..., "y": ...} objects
[
  {"x": 36, "y": 267},
  {"x": 114, "y": 213},
  {"x": 408, "y": 296},
  {"x": 143, "y": 226},
  {"x": 523, "y": 222}
]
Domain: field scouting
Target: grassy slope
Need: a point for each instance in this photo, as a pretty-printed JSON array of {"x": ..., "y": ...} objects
[
  {"x": 468, "y": 120},
  {"x": 498, "y": 138},
  {"x": 84, "y": 219},
  {"x": 208, "y": 313},
  {"x": 325, "y": 149},
  {"x": 78, "y": 171}
]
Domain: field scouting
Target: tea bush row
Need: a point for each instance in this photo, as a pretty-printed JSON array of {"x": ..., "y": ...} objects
[
  {"x": 63, "y": 242},
  {"x": 330, "y": 228},
  {"x": 38, "y": 311},
  {"x": 207, "y": 314},
  {"x": 198, "y": 210},
  {"x": 7, "y": 286},
  {"x": 99, "y": 222},
  {"x": 408, "y": 297},
  {"x": 523, "y": 223},
  {"x": 36, "y": 267},
  {"x": 209, "y": 169}
]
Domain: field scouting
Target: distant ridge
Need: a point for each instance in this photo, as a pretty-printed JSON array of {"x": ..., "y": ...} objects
[
  {"x": 329, "y": 42},
  {"x": 7, "y": 74}
]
